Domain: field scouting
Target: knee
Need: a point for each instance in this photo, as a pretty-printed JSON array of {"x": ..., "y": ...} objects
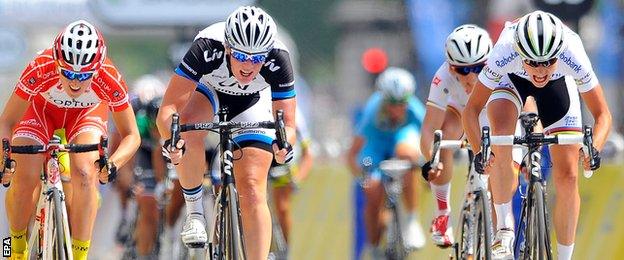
[
  {"x": 251, "y": 192},
  {"x": 83, "y": 176},
  {"x": 406, "y": 151},
  {"x": 566, "y": 180}
]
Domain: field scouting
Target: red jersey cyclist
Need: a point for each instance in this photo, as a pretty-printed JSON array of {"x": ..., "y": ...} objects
[{"x": 71, "y": 85}]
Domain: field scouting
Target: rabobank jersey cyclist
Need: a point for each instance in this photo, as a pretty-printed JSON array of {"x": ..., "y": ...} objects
[
  {"x": 381, "y": 136},
  {"x": 558, "y": 104},
  {"x": 205, "y": 63}
]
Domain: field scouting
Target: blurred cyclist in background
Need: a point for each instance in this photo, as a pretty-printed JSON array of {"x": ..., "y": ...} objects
[
  {"x": 143, "y": 176},
  {"x": 286, "y": 177},
  {"x": 467, "y": 50},
  {"x": 390, "y": 127}
]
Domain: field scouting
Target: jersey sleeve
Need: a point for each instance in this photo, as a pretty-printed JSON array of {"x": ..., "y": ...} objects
[
  {"x": 200, "y": 59},
  {"x": 278, "y": 73},
  {"x": 576, "y": 63},
  {"x": 112, "y": 87},
  {"x": 438, "y": 90},
  {"x": 501, "y": 57},
  {"x": 34, "y": 76}
]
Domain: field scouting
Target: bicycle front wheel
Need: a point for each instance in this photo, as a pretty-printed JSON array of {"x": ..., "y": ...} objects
[
  {"x": 538, "y": 246},
  {"x": 61, "y": 251},
  {"x": 482, "y": 236},
  {"x": 236, "y": 250}
]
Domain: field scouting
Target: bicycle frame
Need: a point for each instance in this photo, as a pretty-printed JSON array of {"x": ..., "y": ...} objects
[{"x": 43, "y": 226}]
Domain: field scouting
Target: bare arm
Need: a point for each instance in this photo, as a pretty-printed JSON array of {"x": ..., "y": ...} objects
[
  {"x": 433, "y": 121},
  {"x": 288, "y": 106},
  {"x": 13, "y": 112},
  {"x": 305, "y": 164},
  {"x": 470, "y": 117},
  {"x": 597, "y": 105},
  {"x": 356, "y": 147},
  {"x": 176, "y": 97},
  {"x": 130, "y": 139}
]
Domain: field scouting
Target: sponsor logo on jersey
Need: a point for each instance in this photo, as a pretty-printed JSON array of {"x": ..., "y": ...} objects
[
  {"x": 103, "y": 84},
  {"x": 571, "y": 120},
  {"x": 216, "y": 54},
  {"x": 492, "y": 75},
  {"x": 568, "y": 61},
  {"x": 584, "y": 80},
  {"x": 271, "y": 65},
  {"x": 73, "y": 103},
  {"x": 506, "y": 60},
  {"x": 32, "y": 81},
  {"x": 436, "y": 81},
  {"x": 187, "y": 67},
  {"x": 225, "y": 84},
  {"x": 31, "y": 122},
  {"x": 46, "y": 75}
]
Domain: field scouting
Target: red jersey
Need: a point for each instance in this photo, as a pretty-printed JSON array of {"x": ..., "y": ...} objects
[{"x": 41, "y": 77}]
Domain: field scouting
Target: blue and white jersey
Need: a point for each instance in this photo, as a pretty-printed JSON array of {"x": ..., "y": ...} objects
[{"x": 504, "y": 59}]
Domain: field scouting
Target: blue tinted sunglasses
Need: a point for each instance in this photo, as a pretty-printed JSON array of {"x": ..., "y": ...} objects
[
  {"x": 254, "y": 58},
  {"x": 468, "y": 69},
  {"x": 70, "y": 75}
]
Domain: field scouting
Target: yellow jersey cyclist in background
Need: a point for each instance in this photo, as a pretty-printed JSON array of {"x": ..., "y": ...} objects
[
  {"x": 537, "y": 56},
  {"x": 71, "y": 85},
  {"x": 240, "y": 64},
  {"x": 467, "y": 50},
  {"x": 286, "y": 177},
  {"x": 390, "y": 127}
]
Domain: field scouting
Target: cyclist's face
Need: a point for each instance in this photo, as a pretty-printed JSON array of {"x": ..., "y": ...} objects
[
  {"x": 396, "y": 111},
  {"x": 467, "y": 81},
  {"x": 74, "y": 88},
  {"x": 244, "y": 72},
  {"x": 540, "y": 75}
]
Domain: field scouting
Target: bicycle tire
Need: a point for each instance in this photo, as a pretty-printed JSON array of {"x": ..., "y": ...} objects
[
  {"x": 61, "y": 251},
  {"x": 236, "y": 237},
  {"x": 484, "y": 224},
  {"x": 396, "y": 246},
  {"x": 465, "y": 235},
  {"x": 536, "y": 238}
]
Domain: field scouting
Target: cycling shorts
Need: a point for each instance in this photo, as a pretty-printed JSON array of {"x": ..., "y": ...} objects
[
  {"x": 42, "y": 118},
  {"x": 558, "y": 102},
  {"x": 248, "y": 108}
]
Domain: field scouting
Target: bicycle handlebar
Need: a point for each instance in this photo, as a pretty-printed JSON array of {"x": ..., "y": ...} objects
[
  {"x": 278, "y": 125},
  {"x": 540, "y": 139},
  {"x": 439, "y": 144}
]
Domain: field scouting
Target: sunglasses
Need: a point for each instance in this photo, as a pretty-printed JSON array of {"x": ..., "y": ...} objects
[
  {"x": 243, "y": 56},
  {"x": 70, "y": 75},
  {"x": 536, "y": 64},
  {"x": 468, "y": 69}
]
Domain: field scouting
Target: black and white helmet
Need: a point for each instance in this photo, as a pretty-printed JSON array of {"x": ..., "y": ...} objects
[
  {"x": 250, "y": 29},
  {"x": 468, "y": 45},
  {"x": 539, "y": 36}
]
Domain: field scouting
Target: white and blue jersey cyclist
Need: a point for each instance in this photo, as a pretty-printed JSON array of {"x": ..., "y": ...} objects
[{"x": 206, "y": 64}]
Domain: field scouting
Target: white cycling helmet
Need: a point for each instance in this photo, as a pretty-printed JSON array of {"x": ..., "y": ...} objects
[
  {"x": 80, "y": 47},
  {"x": 396, "y": 85},
  {"x": 250, "y": 29},
  {"x": 468, "y": 45},
  {"x": 147, "y": 88},
  {"x": 539, "y": 36}
]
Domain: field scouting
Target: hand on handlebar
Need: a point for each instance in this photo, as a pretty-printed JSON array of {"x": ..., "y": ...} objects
[
  {"x": 107, "y": 171},
  {"x": 587, "y": 162},
  {"x": 284, "y": 155},
  {"x": 173, "y": 154},
  {"x": 7, "y": 173},
  {"x": 430, "y": 173},
  {"x": 480, "y": 167}
]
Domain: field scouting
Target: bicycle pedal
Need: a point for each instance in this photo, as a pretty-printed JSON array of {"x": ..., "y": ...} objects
[{"x": 196, "y": 245}]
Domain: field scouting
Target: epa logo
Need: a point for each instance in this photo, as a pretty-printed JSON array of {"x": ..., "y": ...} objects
[{"x": 6, "y": 247}]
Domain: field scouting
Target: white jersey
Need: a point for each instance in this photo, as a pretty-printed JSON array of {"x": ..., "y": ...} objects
[
  {"x": 446, "y": 90},
  {"x": 504, "y": 59}
]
